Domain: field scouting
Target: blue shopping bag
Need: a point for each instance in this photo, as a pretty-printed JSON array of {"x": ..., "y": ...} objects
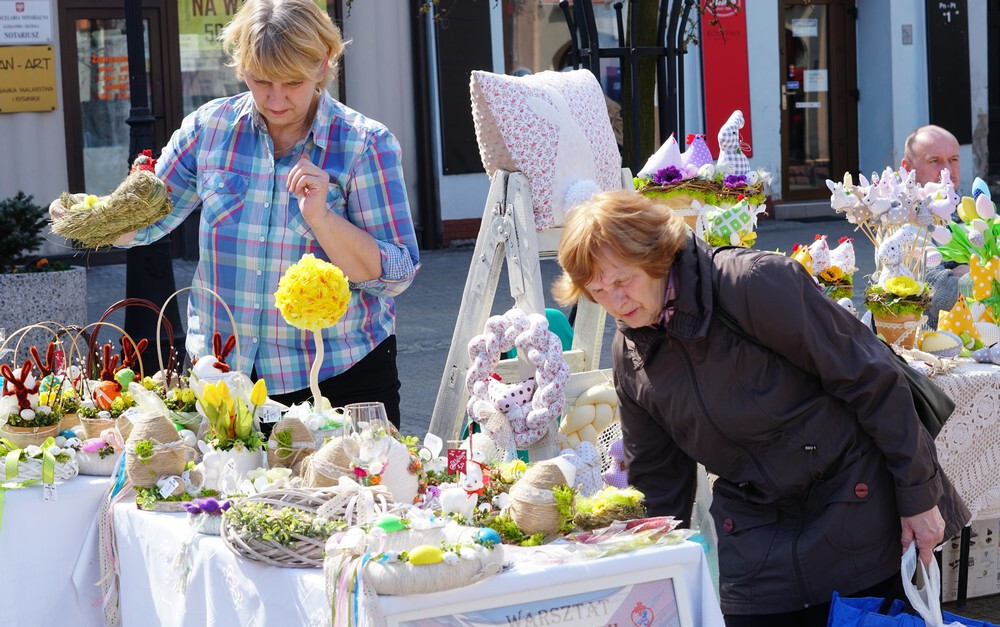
[{"x": 872, "y": 612}]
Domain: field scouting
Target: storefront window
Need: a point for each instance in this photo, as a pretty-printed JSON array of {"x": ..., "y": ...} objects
[
  {"x": 204, "y": 73},
  {"x": 536, "y": 38},
  {"x": 102, "y": 56}
]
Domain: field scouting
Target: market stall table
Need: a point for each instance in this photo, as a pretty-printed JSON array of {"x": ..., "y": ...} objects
[
  {"x": 207, "y": 584},
  {"x": 41, "y": 542}
]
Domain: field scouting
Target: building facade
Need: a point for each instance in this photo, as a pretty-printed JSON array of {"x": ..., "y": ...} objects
[{"x": 827, "y": 87}]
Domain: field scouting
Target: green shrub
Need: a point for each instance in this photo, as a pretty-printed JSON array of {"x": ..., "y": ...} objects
[{"x": 21, "y": 224}]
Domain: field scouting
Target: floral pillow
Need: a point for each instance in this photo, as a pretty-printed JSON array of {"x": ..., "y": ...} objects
[{"x": 553, "y": 127}]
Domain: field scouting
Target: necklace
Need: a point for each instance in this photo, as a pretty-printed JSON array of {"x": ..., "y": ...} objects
[{"x": 282, "y": 151}]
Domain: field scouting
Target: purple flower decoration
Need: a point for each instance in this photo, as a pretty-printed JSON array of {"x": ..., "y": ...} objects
[
  {"x": 667, "y": 175},
  {"x": 434, "y": 491},
  {"x": 734, "y": 181},
  {"x": 208, "y": 506}
]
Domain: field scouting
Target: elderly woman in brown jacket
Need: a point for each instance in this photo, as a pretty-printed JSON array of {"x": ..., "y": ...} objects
[{"x": 825, "y": 473}]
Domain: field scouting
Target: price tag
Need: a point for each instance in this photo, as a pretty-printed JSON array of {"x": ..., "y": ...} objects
[
  {"x": 168, "y": 487},
  {"x": 58, "y": 360},
  {"x": 132, "y": 413},
  {"x": 457, "y": 458},
  {"x": 269, "y": 413},
  {"x": 49, "y": 491}
]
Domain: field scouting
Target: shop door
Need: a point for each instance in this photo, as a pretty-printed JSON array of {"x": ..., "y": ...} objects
[
  {"x": 96, "y": 96},
  {"x": 819, "y": 111}
]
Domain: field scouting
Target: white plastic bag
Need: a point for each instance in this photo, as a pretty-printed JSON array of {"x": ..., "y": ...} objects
[{"x": 927, "y": 600}]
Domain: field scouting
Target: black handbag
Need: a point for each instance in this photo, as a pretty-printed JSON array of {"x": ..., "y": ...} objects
[{"x": 932, "y": 404}]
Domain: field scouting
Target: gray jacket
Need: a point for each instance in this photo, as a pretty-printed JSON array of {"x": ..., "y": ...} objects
[{"x": 812, "y": 432}]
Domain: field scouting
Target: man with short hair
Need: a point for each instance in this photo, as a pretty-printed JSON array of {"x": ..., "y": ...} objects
[{"x": 930, "y": 149}]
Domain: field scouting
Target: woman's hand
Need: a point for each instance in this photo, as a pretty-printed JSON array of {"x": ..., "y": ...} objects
[
  {"x": 928, "y": 530},
  {"x": 310, "y": 185}
]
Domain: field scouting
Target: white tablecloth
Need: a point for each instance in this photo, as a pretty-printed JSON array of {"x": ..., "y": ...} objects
[
  {"x": 41, "y": 542},
  {"x": 222, "y": 589},
  {"x": 969, "y": 444}
]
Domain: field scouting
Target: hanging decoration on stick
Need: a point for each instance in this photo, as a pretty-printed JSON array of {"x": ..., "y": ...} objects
[{"x": 313, "y": 295}]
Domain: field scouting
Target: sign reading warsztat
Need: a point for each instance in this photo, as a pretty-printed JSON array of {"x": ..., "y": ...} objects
[{"x": 27, "y": 79}]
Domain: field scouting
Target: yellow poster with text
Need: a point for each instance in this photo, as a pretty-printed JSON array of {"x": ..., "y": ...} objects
[
  {"x": 27, "y": 79},
  {"x": 199, "y": 22}
]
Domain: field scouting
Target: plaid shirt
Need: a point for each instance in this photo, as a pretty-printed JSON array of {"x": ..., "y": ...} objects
[{"x": 221, "y": 161}]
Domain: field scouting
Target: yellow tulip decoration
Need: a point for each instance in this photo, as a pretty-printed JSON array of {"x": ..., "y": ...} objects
[
  {"x": 229, "y": 418},
  {"x": 313, "y": 295}
]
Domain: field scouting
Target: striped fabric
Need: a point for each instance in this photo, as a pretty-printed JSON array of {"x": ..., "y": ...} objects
[{"x": 250, "y": 231}]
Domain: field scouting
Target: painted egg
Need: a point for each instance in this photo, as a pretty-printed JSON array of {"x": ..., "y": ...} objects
[
  {"x": 124, "y": 377},
  {"x": 391, "y": 524},
  {"x": 426, "y": 554},
  {"x": 106, "y": 393},
  {"x": 48, "y": 382},
  {"x": 486, "y": 536},
  {"x": 68, "y": 433}
]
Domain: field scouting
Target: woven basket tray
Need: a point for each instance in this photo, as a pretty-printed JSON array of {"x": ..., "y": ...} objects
[
  {"x": 400, "y": 578},
  {"x": 306, "y": 553}
]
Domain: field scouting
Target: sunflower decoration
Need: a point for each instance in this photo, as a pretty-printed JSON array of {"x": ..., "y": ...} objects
[
  {"x": 312, "y": 295},
  {"x": 832, "y": 268}
]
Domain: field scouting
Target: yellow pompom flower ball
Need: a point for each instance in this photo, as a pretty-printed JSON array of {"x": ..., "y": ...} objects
[{"x": 312, "y": 294}]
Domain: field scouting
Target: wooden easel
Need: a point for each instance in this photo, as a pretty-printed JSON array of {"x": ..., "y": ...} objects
[{"x": 508, "y": 232}]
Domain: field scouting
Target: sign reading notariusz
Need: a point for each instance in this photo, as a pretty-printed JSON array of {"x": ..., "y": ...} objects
[
  {"x": 27, "y": 79},
  {"x": 24, "y": 22}
]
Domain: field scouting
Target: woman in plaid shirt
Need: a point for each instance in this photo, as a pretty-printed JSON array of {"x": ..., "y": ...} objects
[{"x": 281, "y": 171}]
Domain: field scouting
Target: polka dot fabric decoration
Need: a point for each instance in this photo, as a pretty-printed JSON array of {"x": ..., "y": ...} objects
[
  {"x": 553, "y": 127},
  {"x": 982, "y": 276},
  {"x": 958, "y": 320}
]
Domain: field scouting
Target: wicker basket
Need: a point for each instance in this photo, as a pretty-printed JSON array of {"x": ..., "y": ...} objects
[
  {"x": 69, "y": 421},
  {"x": 22, "y": 437},
  {"x": 392, "y": 577},
  {"x": 306, "y": 553},
  {"x": 93, "y": 427},
  {"x": 92, "y": 464}
]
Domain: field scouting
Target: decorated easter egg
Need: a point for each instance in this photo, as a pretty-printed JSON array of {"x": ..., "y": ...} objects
[
  {"x": 980, "y": 188},
  {"x": 982, "y": 355},
  {"x": 984, "y": 207},
  {"x": 426, "y": 554},
  {"x": 941, "y": 343},
  {"x": 106, "y": 393},
  {"x": 48, "y": 382},
  {"x": 68, "y": 433},
  {"x": 124, "y": 377},
  {"x": 486, "y": 537},
  {"x": 391, "y": 523}
]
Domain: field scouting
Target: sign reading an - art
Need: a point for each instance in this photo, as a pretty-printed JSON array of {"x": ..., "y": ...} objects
[
  {"x": 27, "y": 79},
  {"x": 24, "y": 22}
]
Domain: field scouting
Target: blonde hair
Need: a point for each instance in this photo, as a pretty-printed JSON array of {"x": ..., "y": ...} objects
[
  {"x": 630, "y": 225},
  {"x": 290, "y": 39}
]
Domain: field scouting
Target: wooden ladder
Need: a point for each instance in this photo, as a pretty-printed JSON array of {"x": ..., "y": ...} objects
[{"x": 508, "y": 233}]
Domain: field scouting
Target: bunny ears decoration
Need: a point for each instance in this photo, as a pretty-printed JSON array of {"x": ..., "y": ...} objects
[{"x": 553, "y": 127}]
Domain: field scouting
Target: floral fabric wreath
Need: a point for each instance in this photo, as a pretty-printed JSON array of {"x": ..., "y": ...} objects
[{"x": 531, "y": 335}]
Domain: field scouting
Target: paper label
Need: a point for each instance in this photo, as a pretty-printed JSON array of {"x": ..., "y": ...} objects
[
  {"x": 268, "y": 413},
  {"x": 48, "y": 491},
  {"x": 457, "y": 460},
  {"x": 168, "y": 487}
]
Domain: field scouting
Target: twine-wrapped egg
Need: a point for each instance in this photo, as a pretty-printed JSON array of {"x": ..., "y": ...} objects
[
  {"x": 532, "y": 504},
  {"x": 325, "y": 467},
  {"x": 298, "y": 444},
  {"x": 169, "y": 456}
]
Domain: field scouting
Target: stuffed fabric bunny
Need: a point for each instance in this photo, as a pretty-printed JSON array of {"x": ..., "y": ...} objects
[{"x": 731, "y": 157}]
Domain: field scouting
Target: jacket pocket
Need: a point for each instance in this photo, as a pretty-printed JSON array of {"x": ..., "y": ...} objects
[
  {"x": 746, "y": 534},
  {"x": 858, "y": 506},
  {"x": 222, "y": 196}
]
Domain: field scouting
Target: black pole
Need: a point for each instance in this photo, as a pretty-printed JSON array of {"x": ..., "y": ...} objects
[
  {"x": 682, "y": 52},
  {"x": 431, "y": 229},
  {"x": 149, "y": 270}
]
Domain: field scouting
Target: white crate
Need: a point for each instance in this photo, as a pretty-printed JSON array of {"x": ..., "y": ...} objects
[{"x": 984, "y": 562}]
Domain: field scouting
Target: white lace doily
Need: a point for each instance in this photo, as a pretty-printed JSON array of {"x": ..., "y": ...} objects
[{"x": 969, "y": 444}]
